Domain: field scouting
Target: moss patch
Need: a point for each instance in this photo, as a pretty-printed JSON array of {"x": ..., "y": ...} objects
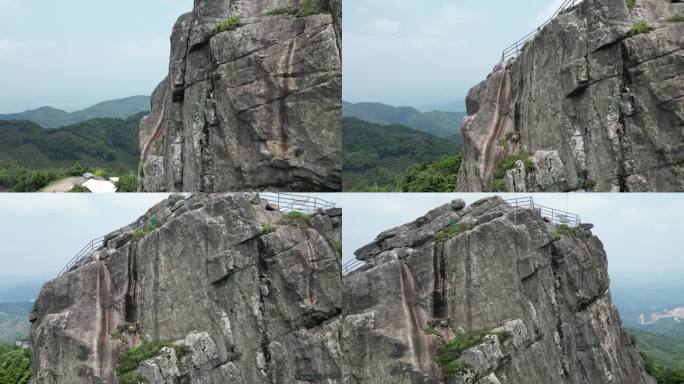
[
  {"x": 630, "y": 3},
  {"x": 130, "y": 359},
  {"x": 230, "y": 24},
  {"x": 146, "y": 229},
  {"x": 298, "y": 219},
  {"x": 268, "y": 228},
  {"x": 497, "y": 184},
  {"x": 675, "y": 18},
  {"x": 448, "y": 355},
  {"x": 452, "y": 231},
  {"x": 639, "y": 28}
]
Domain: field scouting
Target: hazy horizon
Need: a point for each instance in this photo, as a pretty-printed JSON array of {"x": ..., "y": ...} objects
[{"x": 70, "y": 55}]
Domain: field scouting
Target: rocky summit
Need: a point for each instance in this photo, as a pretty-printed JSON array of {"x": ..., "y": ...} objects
[
  {"x": 593, "y": 102},
  {"x": 205, "y": 289},
  {"x": 486, "y": 294},
  {"x": 252, "y": 101}
]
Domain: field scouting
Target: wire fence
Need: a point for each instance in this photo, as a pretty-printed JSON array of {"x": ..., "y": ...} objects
[
  {"x": 515, "y": 48},
  {"x": 287, "y": 202},
  {"x": 555, "y": 216}
]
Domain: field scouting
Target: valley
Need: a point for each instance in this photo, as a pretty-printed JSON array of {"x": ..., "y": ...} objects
[
  {"x": 399, "y": 149},
  {"x": 35, "y": 152}
]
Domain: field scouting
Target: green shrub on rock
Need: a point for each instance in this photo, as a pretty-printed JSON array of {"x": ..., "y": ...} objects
[
  {"x": 230, "y": 24},
  {"x": 639, "y": 28},
  {"x": 296, "y": 218}
]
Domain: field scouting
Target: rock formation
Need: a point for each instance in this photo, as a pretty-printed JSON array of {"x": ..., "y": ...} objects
[
  {"x": 236, "y": 293},
  {"x": 538, "y": 292},
  {"x": 252, "y": 101},
  {"x": 594, "y": 102}
]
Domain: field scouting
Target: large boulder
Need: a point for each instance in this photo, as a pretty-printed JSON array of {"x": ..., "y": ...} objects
[
  {"x": 600, "y": 104},
  {"x": 234, "y": 291},
  {"x": 252, "y": 100},
  {"x": 538, "y": 293}
]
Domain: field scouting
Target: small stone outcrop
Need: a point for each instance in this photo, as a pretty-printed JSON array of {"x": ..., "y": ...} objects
[
  {"x": 227, "y": 289},
  {"x": 252, "y": 101},
  {"x": 532, "y": 297},
  {"x": 594, "y": 102}
]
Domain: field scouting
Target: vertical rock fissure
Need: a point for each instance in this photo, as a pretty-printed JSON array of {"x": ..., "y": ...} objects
[
  {"x": 131, "y": 298},
  {"x": 283, "y": 109},
  {"x": 103, "y": 347},
  {"x": 262, "y": 273},
  {"x": 468, "y": 285},
  {"x": 155, "y": 293},
  {"x": 423, "y": 346},
  {"x": 439, "y": 305},
  {"x": 490, "y": 149}
]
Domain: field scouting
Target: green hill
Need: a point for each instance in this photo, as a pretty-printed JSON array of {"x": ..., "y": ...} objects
[
  {"x": 663, "y": 355},
  {"x": 15, "y": 365},
  {"x": 379, "y": 157},
  {"x": 105, "y": 143},
  {"x": 438, "y": 123},
  {"x": 49, "y": 117}
]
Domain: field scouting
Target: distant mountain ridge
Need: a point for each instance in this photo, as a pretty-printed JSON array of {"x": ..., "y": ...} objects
[
  {"x": 48, "y": 117},
  {"x": 439, "y": 123}
]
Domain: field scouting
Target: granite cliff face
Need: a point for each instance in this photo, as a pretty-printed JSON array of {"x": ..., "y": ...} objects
[
  {"x": 252, "y": 101},
  {"x": 539, "y": 292},
  {"x": 595, "y": 102},
  {"x": 243, "y": 302}
]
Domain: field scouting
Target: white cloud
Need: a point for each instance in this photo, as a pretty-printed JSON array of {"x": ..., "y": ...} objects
[{"x": 385, "y": 25}]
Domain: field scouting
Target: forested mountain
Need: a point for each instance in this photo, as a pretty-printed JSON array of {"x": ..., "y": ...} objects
[
  {"x": 26, "y": 148},
  {"x": 379, "y": 157},
  {"x": 438, "y": 123},
  {"x": 49, "y": 117}
]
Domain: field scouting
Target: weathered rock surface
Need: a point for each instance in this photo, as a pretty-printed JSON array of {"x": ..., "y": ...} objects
[
  {"x": 250, "y": 305},
  {"x": 249, "y": 109},
  {"x": 598, "y": 107},
  {"x": 505, "y": 272}
]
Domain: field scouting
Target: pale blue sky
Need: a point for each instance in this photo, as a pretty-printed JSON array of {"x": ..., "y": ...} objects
[
  {"x": 416, "y": 52},
  {"x": 642, "y": 233},
  {"x": 73, "y": 53},
  {"x": 40, "y": 232}
]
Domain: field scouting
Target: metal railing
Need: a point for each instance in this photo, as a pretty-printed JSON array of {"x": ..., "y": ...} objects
[
  {"x": 98, "y": 243},
  {"x": 287, "y": 202},
  {"x": 93, "y": 246},
  {"x": 352, "y": 265},
  {"x": 284, "y": 201},
  {"x": 555, "y": 216},
  {"x": 515, "y": 48}
]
